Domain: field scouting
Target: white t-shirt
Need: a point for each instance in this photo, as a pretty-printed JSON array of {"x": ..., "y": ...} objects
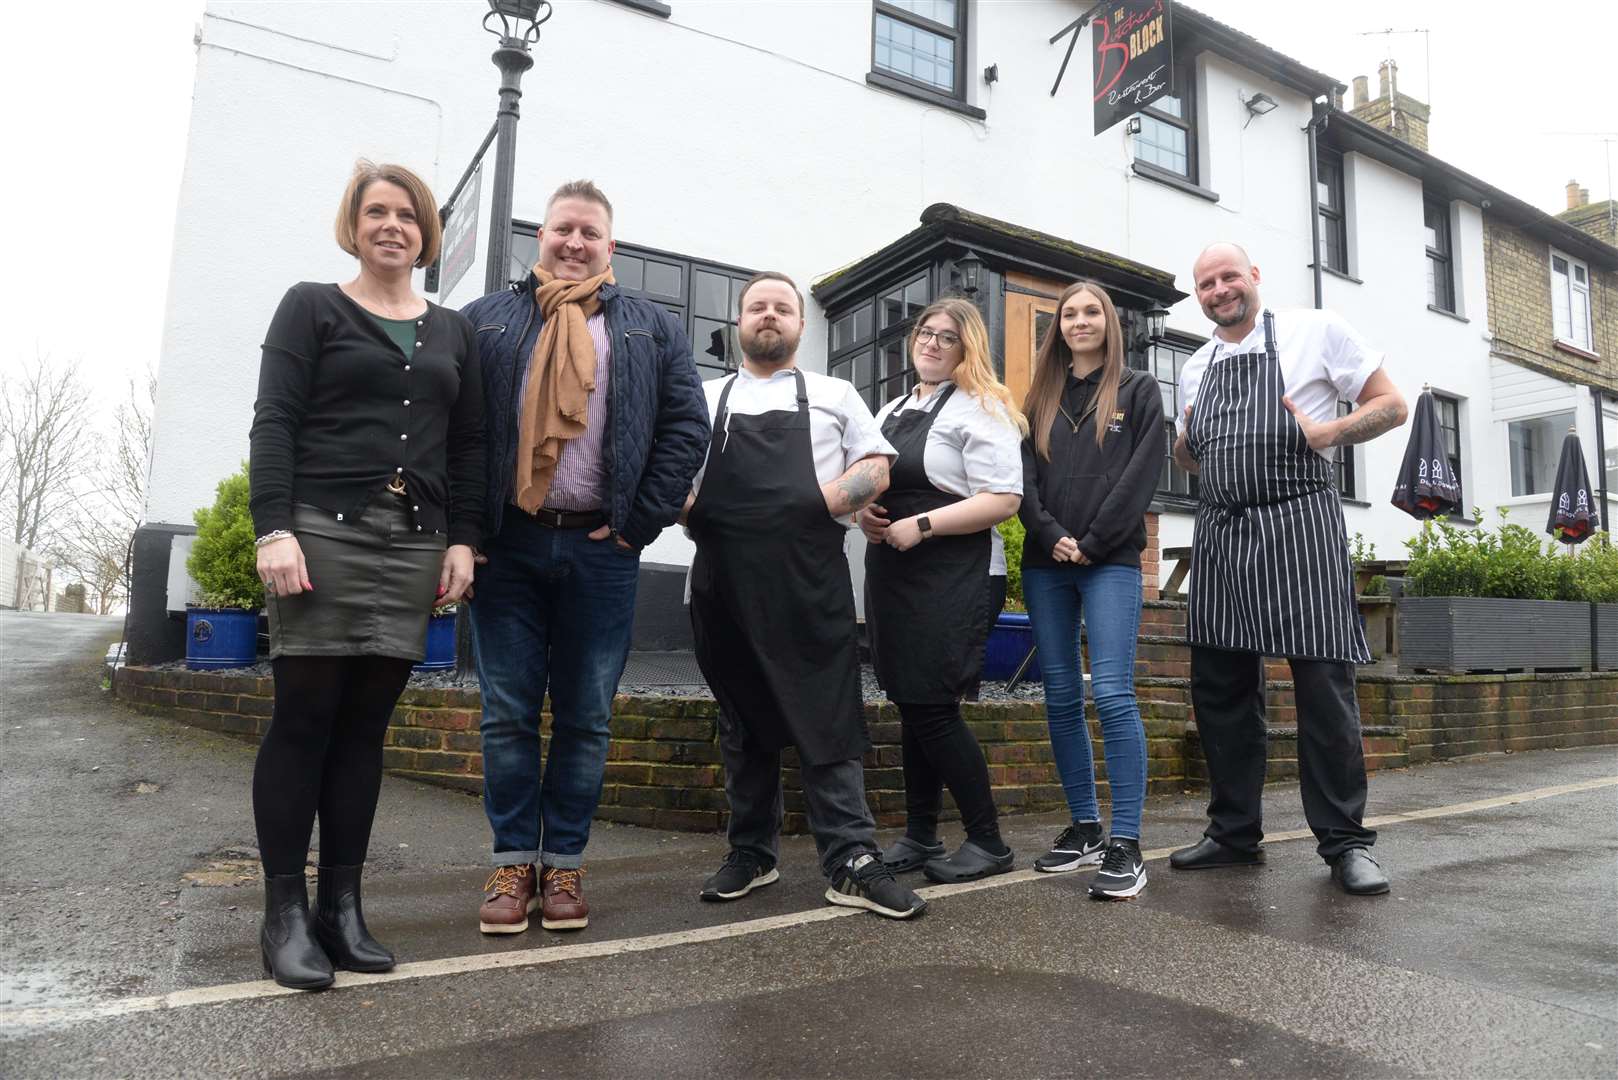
[
  {"x": 969, "y": 449},
  {"x": 1323, "y": 359},
  {"x": 841, "y": 428}
]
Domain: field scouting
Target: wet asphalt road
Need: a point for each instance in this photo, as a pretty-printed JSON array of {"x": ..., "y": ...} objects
[{"x": 126, "y": 872}]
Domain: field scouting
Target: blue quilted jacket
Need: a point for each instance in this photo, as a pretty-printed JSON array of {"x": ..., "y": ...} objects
[{"x": 655, "y": 406}]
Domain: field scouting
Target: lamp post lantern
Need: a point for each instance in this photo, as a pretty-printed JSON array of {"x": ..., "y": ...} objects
[{"x": 518, "y": 23}]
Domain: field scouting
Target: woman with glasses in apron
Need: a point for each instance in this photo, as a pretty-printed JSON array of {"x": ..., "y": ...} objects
[{"x": 927, "y": 588}]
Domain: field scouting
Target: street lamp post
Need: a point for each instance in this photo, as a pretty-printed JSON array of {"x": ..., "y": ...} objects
[{"x": 518, "y": 29}]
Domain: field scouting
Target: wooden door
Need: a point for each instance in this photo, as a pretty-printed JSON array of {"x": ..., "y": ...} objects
[{"x": 1030, "y": 308}]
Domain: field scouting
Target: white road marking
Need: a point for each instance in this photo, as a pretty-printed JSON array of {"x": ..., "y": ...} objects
[{"x": 44, "y": 1015}]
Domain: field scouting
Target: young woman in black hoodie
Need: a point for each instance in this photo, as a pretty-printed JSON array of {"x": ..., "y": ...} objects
[{"x": 1090, "y": 466}]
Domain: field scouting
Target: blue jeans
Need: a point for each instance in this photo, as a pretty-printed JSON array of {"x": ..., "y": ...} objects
[
  {"x": 553, "y": 609},
  {"x": 1109, "y": 598}
]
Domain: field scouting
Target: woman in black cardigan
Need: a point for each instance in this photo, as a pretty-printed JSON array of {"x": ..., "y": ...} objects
[{"x": 367, "y": 497}]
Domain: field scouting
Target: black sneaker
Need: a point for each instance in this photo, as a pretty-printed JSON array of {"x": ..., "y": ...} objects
[
  {"x": 1123, "y": 872},
  {"x": 1079, "y": 845},
  {"x": 740, "y": 874},
  {"x": 865, "y": 881}
]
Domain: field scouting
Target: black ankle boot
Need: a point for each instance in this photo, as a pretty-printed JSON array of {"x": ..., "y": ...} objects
[
  {"x": 287, "y": 941},
  {"x": 340, "y": 924}
]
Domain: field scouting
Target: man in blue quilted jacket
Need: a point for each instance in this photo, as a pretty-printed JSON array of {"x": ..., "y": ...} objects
[{"x": 596, "y": 424}]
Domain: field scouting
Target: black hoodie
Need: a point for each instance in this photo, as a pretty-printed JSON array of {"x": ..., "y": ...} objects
[{"x": 1097, "y": 495}]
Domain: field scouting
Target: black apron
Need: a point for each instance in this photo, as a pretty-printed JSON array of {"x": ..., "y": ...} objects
[
  {"x": 772, "y": 605},
  {"x": 926, "y": 609},
  {"x": 1269, "y": 564}
]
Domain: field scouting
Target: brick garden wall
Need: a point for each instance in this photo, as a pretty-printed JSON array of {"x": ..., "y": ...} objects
[{"x": 663, "y": 769}]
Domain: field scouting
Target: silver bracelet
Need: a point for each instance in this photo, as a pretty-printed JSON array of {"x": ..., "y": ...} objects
[{"x": 271, "y": 537}]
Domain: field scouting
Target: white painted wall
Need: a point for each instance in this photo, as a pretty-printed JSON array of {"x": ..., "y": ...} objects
[{"x": 743, "y": 134}]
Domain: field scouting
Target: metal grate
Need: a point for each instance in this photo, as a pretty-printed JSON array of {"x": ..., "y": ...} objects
[{"x": 663, "y": 669}]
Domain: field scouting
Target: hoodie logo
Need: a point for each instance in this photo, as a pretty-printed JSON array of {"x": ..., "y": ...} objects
[{"x": 1117, "y": 423}]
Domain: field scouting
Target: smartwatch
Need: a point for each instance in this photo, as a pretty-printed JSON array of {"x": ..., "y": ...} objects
[{"x": 925, "y": 525}]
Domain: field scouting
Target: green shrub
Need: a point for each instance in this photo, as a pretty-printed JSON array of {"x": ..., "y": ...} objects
[
  {"x": 1011, "y": 531},
  {"x": 1377, "y": 586},
  {"x": 1509, "y": 562},
  {"x": 223, "y": 560},
  {"x": 1595, "y": 570}
]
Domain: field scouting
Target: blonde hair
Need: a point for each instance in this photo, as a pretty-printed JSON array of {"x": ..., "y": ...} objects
[
  {"x": 975, "y": 373},
  {"x": 367, "y": 173},
  {"x": 580, "y": 189},
  {"x": 1054, "y": 360}
]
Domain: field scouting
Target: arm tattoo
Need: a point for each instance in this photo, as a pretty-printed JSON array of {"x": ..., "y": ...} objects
[
  {"x": 1367, "y": 424},
  {"x": 858, "y": 485}
]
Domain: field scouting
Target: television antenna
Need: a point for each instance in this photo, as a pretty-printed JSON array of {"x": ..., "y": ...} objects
[{"x": 1427, "y": 44}]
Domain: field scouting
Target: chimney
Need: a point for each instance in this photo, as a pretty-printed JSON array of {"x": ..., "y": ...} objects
[
  {"x": 1389, "y": 76},
  {"x": 1576, "y": 196},
  {"x": 1584, "y": 196},
  {"x": 1396, "y": 113}
]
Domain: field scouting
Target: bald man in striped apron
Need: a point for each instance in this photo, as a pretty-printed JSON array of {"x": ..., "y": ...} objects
[{"x": 1270, "y": 574}]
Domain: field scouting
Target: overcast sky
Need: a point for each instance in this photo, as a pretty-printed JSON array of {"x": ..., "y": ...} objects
[{"x": 98, "y": 100}]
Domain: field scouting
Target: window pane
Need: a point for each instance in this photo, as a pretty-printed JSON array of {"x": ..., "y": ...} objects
[
  {"x": 714, "y": 342},
  {"x": 1562, "y": 307},
  {"x": 1578, "y": 273},
  {"x": 939, "y": 11},
  {"x": 893, "y": 358},
  {"x": 1581, "y": 318},
  {"x": 629, "y": 272},
  {"x": 915, "y": 297},
  {"x": 915, "y": 53},
  {"x": 891, "y": 308},
  {"x": 855, "y": 326},
  {"x": 662, "y": 279},
  {"x": 1432, "y": 220},
  {"x": 710, "y": 295},
  {"x": 1535, "y": 447},
  {"x": 1164, "y": 145},
  {"x": 524, "y": 250},
  {"x": 1042, "y": 326},
  {"x": 1610, "y": 422},
  {"x": 1558, "y": 266},
  {"x": 862, "y": 373},
  {"x": 1171, "y": 104}
]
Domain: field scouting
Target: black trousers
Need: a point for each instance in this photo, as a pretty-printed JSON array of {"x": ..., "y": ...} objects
[
  {"x": 1227, "y": 694},
  {"x": 939, "y": 751}
]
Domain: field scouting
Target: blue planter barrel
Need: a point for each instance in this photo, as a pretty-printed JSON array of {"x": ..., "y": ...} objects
[
  {"x": 440, "y": 644},
  {"x": 1009, "y": 642},
  {"x": 220, "y": 638}
]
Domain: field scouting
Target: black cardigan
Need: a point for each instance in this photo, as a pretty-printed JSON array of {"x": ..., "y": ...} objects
[
  {"x": 1097, "y": 495},
  {"x": 341, "y": 411}
]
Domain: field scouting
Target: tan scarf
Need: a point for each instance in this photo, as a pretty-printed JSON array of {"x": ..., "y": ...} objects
[{"x": 561, "y": 375}]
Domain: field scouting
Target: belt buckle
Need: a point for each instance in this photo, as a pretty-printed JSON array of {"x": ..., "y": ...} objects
[{"x": 551, "y": 519}]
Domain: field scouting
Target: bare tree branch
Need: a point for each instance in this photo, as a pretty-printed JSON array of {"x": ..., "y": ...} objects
[{"x": 45, "y": 418}]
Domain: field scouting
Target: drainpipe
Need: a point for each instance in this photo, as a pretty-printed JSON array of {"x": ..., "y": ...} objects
[
  {"x": 1601, "y": 451},
  {"x": 1316, "y": 122}
]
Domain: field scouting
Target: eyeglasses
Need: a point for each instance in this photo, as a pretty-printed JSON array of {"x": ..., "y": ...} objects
[{"x": 946, "y": 338}]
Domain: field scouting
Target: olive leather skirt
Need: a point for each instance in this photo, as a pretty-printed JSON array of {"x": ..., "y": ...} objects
[{"x": 374, "y": 581}]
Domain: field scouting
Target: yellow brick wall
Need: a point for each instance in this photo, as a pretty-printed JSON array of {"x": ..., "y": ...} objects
[{"x": 1518, "y": 273}]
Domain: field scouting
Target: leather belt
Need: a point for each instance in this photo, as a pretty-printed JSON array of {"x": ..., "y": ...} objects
[{"x": 569, "y": 519}]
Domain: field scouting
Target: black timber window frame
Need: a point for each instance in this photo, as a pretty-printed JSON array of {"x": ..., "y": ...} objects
[
  {"x": 888, "y": 77},
  {"x": 1449, "y": 423},
  {"x": 866, "y": 338},
  {"x": 1185, "y": 121},
  {"x": 1440, "y": 255},
  {"x": 1333, "y": 210},
  {"x": 1343, "y": 460},
  {"x": 688, "y": 288},
  {"x": 1164, "y": 360}
]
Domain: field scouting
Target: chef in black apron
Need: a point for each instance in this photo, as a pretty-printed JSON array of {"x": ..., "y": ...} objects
[
  {"x": 958, "y": 474},
  {"x": 1270, "y": 574},
  {"x": 794, "y": 455}
]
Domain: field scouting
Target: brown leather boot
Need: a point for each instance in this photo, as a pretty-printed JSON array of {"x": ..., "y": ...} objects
[
  {"x": 562, "y": 898},
  {"x": 508, "y": 897}
]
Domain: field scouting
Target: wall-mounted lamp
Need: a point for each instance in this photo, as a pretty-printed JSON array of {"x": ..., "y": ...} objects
[
  {"x": 1149, "y": 326},
  {"x": 1259, "y": 104},
  {"x": 970, "y": 269},
  {"x": 1132, "y": 125},
  {"x": 991, "y": 74}
]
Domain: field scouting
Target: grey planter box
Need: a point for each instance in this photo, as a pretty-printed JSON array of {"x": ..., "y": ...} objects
[
  {"x": 1606, "y": 637},
  {"x": 1471, "y": 633}
]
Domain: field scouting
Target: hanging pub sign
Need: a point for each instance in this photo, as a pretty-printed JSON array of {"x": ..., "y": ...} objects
[{"x": 1134, "y": 58}]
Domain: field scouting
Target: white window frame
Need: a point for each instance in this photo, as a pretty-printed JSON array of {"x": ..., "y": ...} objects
[{"x": 1567, "y": 288}]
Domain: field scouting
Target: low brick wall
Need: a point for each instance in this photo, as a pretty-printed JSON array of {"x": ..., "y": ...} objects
[{"x": 663, "y": 766}]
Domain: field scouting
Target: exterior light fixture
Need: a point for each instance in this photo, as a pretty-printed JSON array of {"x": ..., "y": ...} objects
[
  {"x": 970, "y": 269},
  {"x": 1259, "y": 104},
  {"x": 1156, "y": 320}
]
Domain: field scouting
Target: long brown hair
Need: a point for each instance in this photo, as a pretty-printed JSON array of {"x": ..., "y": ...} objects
[
  {"x": 974, "y": 374},
  {"x": 1054, "y": 360}
]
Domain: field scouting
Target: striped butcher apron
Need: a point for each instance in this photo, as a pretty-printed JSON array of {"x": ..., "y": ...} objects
[{"x": 1269, "y": 560}]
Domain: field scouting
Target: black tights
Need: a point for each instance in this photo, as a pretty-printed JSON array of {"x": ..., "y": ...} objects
[
  {"x": 323, "y": 754},
  {"x": 939, "y": 751}
]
